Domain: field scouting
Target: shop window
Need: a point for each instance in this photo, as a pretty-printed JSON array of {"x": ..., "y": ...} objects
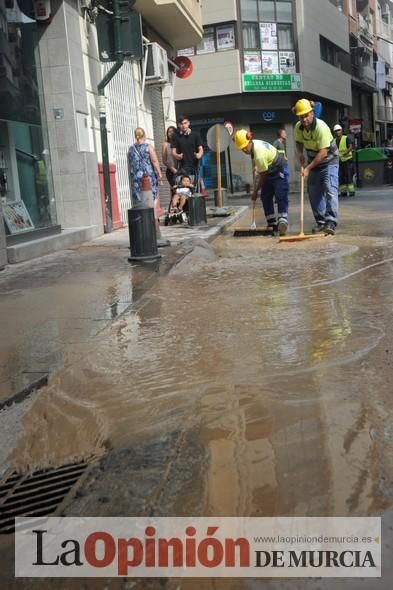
[
  {"x": 285, "y": 37},
  {"x": 207, "y": 45},
  {"x": 270, "y": 62},
  {"x": 287, "y": 62},
  {"x": 284, "y": 12},
  {"x": 266, "y": 10},
  {"x": 251, "y": 36},
  {"x": 189, "y": 52},
  {"x": 225, "y": 37},
  {"x": 249, "y": 10},
  {"x": 25, "y": 163},
  {"x": 220, "y": 37},
  {"x": 253, "y": 62},
  {"x": 273, "y": 35},
  {"x": 268, "y": 36}
]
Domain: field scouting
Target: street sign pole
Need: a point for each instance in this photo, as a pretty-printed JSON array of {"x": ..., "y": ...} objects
[
  {"x": 117, "y": 18},
  {"x": 219, "y": 180}
]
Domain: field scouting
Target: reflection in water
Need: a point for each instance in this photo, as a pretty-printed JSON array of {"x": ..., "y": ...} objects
[{"x": 274, "y": 381}]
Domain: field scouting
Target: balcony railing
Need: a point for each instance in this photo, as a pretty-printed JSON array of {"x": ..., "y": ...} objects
[
  {"x": 365, "y": 29},
  {"x": 384, "y": 29},
  {"x": 366, "y": 74},
  {"x": 385, "y": 113}
]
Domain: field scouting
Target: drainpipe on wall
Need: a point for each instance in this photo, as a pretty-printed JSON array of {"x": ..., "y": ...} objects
[{"x": 119, "y": 55}]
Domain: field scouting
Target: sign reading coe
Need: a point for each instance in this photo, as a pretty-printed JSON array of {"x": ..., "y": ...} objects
[{"x": 269, "y": 116}]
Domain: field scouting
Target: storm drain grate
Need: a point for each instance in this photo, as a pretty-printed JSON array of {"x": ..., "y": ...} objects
[{"x": 36, "y": 494}]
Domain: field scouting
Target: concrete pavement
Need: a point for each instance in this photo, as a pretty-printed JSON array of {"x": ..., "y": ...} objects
[
  {"x": 253, "y": 379},
  {"x": 52, "y": 306}
]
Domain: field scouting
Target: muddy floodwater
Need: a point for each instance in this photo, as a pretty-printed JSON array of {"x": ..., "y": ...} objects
[{"x": 254, "y": 379}]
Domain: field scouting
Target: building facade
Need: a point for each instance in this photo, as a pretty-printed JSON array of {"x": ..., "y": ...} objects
[
  {"x": 50, "y": 149},
  {"x": 255, "y": 60},
  {"x": 370, "y": 116}
]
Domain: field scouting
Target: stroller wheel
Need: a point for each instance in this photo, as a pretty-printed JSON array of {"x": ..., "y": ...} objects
[{"x": 166, "y": 220}]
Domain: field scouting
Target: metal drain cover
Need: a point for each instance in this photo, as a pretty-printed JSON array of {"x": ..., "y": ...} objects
[{"x": 36, "y": 494}]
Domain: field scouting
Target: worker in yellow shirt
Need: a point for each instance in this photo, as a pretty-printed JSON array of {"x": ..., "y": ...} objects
[
  {"x": 321, "y": 168},
  {"x": 272, "y": 181},
  {"x": 345, "y": 173}
]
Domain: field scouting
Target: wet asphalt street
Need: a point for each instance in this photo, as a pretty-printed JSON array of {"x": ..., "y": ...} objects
[{"x": 251, "y": 379}]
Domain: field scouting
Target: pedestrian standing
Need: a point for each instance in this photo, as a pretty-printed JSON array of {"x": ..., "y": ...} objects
[
  {"x": 345, "y": 146},
  {"x": 143, "y": 161},
  {"x": 281, "y": 146},
  {"x": 167, "y": 156},
  {"x": 272, "y": 182},
  {"x": 187, "y": 148},
  {"x": 321, "y": 169}
]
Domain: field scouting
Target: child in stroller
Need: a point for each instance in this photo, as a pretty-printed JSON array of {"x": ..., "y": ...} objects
[{"x": 177, "y": 211}]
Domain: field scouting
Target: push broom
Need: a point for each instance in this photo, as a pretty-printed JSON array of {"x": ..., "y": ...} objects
[
  {"x": 302, "y": 235},
  {"x": 253, "y": 231}
]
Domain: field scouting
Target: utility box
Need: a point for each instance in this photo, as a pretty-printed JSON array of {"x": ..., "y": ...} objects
[
  {"x": 3, "y": 245},
  {"x": 371, "y": 163}
]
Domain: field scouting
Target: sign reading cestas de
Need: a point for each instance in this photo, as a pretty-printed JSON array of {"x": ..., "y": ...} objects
[{"x": 271, "y": 82}]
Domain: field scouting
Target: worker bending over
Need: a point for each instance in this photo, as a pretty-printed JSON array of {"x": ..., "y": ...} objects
[{"x": 271, "y": 181}]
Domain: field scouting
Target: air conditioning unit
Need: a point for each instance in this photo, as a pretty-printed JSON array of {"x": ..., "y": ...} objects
[{"x": 157, "y": 64}]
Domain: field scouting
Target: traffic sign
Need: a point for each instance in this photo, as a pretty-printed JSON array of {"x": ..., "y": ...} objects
[{"x": 218, "y": 138}]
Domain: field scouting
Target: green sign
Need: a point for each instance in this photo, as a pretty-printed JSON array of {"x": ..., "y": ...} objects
[
  {"x": 271, "y": 82},
  {"x": 130, "y": 33}
]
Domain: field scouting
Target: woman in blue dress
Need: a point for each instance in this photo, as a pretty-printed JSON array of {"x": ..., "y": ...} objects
[{"x": 142, "y": 160}]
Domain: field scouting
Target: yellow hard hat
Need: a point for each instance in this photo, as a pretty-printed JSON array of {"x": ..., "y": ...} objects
[
  {"x": 242, "y": 138},
  {"x": 302, "y": 107}
]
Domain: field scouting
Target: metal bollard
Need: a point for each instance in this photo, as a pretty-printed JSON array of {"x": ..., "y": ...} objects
[
  {"x": 3, "y": 244},
  {"x": 196, "y": 211},
  {"x": 142, "y": 232}
]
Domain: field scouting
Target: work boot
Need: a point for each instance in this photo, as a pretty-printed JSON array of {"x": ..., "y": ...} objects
[
  {"x": 282, "y": 226},
  {"x": 329, "y": 229},
  {"x": 320, "y": 227}
]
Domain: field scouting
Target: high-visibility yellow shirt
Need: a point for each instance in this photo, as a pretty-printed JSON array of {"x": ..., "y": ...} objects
[
  {"x": 264, "y": 155},
  {"x": 342, "y": 148},
  {"x": 317, "y": 138}
]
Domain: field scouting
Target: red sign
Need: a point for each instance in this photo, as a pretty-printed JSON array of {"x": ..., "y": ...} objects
[{"x": 185, "y": 67}]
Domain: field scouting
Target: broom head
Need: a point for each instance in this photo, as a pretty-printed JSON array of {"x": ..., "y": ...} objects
[{"x": 300, "y": 237}]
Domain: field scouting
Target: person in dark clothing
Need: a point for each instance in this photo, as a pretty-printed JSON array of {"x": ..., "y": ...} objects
[
  {"x": 187, "y": 147},
  {"x": 281, "y": 146}
]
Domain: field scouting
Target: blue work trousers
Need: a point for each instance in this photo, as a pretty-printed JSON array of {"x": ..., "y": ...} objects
[
  {"x": 323, "y": 193},
  {"x": 275, "y": 185}
]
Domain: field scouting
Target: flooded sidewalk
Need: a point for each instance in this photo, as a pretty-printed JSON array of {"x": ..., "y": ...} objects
[{"x": 252, "y": 379}]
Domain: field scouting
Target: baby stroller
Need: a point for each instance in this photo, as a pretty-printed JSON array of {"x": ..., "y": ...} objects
[{"x": 176, "y": 214}]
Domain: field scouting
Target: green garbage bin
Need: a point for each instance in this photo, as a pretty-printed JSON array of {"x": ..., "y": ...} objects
[{"x": 371, "y": 166}]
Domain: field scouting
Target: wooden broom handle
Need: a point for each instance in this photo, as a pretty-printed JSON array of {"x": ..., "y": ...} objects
[{"x": 301, "y": 201}]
